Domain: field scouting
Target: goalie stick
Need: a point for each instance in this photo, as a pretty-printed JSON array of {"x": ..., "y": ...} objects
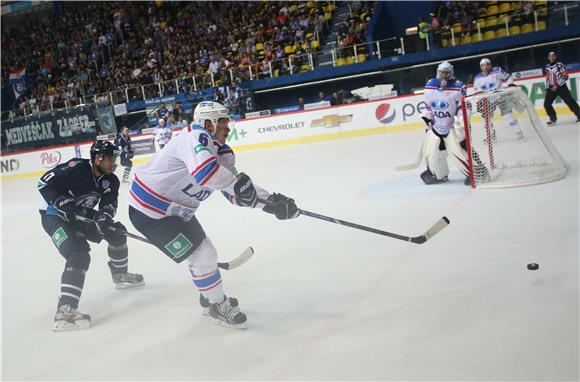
[
  {"x": 432, "y": 231},
  {"x": 232, "y": 264},
  {"x": 417, "y": 163}
]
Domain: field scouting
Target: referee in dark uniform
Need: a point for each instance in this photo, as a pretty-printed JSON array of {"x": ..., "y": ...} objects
[{"x": 556, "y": 77}]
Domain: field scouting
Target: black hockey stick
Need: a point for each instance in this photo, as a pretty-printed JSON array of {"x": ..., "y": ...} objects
[
  {"x": 434, "y": 230},
  {"x": 239, "y": 260}
]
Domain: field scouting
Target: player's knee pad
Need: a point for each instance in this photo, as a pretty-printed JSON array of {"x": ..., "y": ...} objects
[
  {"x": 79, "y": 260},
  {"x": 115, "y": 238},
  {"x": 204, "y": 258}
]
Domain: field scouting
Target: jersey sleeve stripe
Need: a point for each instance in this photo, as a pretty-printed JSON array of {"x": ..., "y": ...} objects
[
  {"x": 201, "y": 166},
  {"x": 210, "y": 173},
  {"x": 150, "y": 190}
]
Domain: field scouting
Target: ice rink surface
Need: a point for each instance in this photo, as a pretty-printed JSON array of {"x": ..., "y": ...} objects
[{"x": 324, "y": 302}]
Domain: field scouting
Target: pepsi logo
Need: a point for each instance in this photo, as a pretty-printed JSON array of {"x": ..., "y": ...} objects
[
  {"x": 438, "y": 105},
  {"x": 385, "y": 113}
]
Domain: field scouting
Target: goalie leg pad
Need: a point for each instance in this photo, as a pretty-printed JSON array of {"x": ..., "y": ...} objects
[
  {"x": 436, "y": 157},
  {"x": 457, "y": 152}
]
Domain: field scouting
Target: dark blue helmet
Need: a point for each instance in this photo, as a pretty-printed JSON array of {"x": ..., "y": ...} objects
[{"x": 103, "y": 147}]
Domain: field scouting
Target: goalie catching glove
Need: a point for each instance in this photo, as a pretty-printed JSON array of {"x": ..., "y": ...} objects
[{"x": 281, "y": 206}]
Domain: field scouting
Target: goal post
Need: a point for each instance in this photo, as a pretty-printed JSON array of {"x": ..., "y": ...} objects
[{"x": 506, "y": 143}]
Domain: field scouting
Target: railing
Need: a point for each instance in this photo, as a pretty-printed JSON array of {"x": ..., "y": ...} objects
[{"x": 306, "y": 62}]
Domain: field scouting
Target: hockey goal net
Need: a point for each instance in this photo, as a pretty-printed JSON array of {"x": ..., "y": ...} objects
[{"x": 506, "y": 143}]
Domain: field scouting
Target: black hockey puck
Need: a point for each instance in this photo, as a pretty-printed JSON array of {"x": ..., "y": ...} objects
[{"x": 533, "y": 266}]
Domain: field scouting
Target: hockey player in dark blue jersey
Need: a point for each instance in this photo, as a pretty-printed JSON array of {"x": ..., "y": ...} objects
[
  {"x": 162, "y": 112},
  {"x": 74, "y": 189},
  {"x": 123, "y": 143}
]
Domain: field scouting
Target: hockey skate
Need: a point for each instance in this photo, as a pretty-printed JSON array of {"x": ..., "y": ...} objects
[
  {"x": 127, "y": 280},
  {"x": 228, "y": 315},
  {"x": 68, "y": 318},
  {"x": 204, "y": 302}
]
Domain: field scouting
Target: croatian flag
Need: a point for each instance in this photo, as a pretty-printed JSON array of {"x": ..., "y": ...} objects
[{"x": 18, "y": 81}]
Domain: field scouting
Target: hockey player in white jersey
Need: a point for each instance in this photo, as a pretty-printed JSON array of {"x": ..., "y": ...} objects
[
  {"x": 162, "y": 133},
  {"x": 442, "y": 103},
  {"x": 493, "y": 79},
  {"x": 167, "y": 191}
]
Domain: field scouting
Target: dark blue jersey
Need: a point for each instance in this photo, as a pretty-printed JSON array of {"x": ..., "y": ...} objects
[{"x": 75, "y": 179}]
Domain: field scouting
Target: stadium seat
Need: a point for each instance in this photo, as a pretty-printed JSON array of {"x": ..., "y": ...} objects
[
  {"x": 514, "y": 30},
  {"x": 327, "y": 16},
  {"x": 331, "y": 7},
  {"x": 315, "y": 44},
  {"x": 444, "y": 42},
  {"x": 491, "y": 22},
  {"x": 310, "y": 4},
  {"x": 501, "y": 32},
  {"x": 276, "y": 72},
  {"x": 362, "y": 57},
  {"x": 541, "y": 25},
  {"x": 350, "y": 60},
  {"x": 456, "y": 28},
  {"x": 259, "y": 46},
  {"x": 293, "y": 8},
  {"x": 527, "y": 28},
  {"x": 305, "y": 68},
  {"x": 492, "y": 10},
  {"x": 309, "y": 35},
  {"x": 481, "y": 23},
  {"x": 289, "y": 49},
  {"x": 476, "y": 37},
  {"x": 465, "y": 40},
  {"x": 489, "y": 35},
  {"x": 514, "y": 6},
  {"x": 340, "y": 62},
  {"x": 504, "y": 7}
]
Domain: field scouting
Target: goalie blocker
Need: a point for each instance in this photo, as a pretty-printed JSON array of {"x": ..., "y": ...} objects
[{"x": 496, "y": 157}]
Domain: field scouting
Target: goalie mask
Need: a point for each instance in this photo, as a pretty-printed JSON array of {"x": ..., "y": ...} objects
[{"x": 444, "y": 73}]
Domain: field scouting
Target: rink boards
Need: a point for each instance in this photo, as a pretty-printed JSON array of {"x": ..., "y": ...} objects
[{"x": 344, "y": 121}]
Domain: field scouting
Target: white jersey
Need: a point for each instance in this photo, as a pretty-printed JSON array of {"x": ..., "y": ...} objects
[
  {"x": 184, "y": 174},
  {"x": 443, "y": 104},
  {"x": 162, "y": 135},
  {"x": 492, "y": 80}
]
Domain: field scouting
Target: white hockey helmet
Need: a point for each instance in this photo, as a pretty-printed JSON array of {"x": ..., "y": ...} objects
[
  {"x": 209, "y": 110},
  {"x": 445, "y": 67},
  {"x": 484, "y": 61}
]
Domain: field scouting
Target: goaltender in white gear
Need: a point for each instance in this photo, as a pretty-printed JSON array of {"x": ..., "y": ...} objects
[
  {"x": 443, "y": 103},
  {"x": 167, "y": 191},
  {"x": 493, "y": 79}
]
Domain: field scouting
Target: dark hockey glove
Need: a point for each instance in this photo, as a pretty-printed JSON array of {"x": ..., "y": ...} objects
[
  {"x": 281, "y": 206},
  {"x": 65, "y": 208},
  {"x": 512, "y": 86},
  {"x": 104, "y": 221},
  {"x": 245, "y": 191},
  {"x": 129, "y": 154}
]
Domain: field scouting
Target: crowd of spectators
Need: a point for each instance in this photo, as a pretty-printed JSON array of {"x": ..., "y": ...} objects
[
  {"x": 97, "y": 47},
  {"x": 351, "y": 30}
]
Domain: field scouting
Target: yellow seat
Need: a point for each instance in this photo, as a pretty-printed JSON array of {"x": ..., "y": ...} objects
[
  {"x": 350, "y": 60},
  {"x": 259, "y": 46},
  {"x": 445, "y": 43},
  {"x": 327, "y": 16},
  {"x": 276, "y": 72},
  {"x": 340, "y": 62},
  {"x": 293, "y": 8},
  {"x": 315, "y": 44},
  {"x": 514, "y": 5},
  {"x": 492, "y": 10},
  {"x": 504, "y": 7},
  {"x": 543, "y": 11},
  {"x": 362, "y": 57},
  {"x": 501, "y": 32},
  {"x": 527, "y": 28},
  {"x": 331, "y": 7},
  {"x": 477, "y": 37},
  {"x": 491, "y": 22},
  {"x": 309, "y": 35},
  {"x": 465, "y": 40},
  {"x": 310, "y": 4},
  {"x": 289, "y": 49},
  {"x": 481, "y": 23},
  {"x": 489, "y": 35},
  {"x": 305, "y": 68},
  {"x": 514, "y": 30},
  {"x": 457, "y": 28},
  {"x": 541, "y": 25}
]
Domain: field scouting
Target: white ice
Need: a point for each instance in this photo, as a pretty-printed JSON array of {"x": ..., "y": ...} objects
[{"x": 324, "y": 302}]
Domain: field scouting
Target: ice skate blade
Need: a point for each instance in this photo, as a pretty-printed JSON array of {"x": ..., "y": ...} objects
[
  {"x": 64, "y": 326},
  {"x": 128, "y": 286},
  {"x": 219, "y": 322}
]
